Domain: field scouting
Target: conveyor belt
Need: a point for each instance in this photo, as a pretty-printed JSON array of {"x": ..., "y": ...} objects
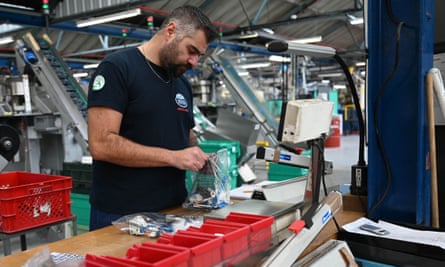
[
  {"x": 57, "y": 79},
  {"x": 244, "y": 96}
]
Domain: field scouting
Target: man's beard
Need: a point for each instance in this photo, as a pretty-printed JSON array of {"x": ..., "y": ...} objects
[{"x": 168, "y": 55}]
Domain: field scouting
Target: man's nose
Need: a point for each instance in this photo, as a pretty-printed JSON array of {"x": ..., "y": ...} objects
[{"x": 193, "y": 60}]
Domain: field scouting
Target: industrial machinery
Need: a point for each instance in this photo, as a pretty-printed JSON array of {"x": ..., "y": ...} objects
[
  {"x": 46, "y": 105},
  {"x": 9, "y": 144}
]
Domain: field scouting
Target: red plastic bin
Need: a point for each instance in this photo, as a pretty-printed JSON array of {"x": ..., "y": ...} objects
[
  {"x": 236, "y": 239},
  {"x": 205, "y": 248},
  {"x": 104, "y": 261},
  {"x": 29, "y": 200},
  {"x": 261, "y": 229},
  {"x": 159, "y": 255}
]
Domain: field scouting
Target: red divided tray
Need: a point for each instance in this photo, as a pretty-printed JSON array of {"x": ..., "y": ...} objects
[
  {"x": 144, "y": 255},
  {"x": 29, "y": 200},
  {"x": 261, "y": 229},
  {"x": 235, "y": 238},
  {"x": 214, "y": 243},
  {"x": 205, "y": 248}
]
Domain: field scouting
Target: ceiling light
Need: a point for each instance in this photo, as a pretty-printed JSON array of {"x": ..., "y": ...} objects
[
  {"x": 7, "y": 27},
  {"x": 16, "y": 6},
  {"x": 255, "y": 65},
  {"x": 243, "y": 73},
  {"x": 307, "y": 40},
  {"x": 301, "y": 49},
  {"x": 108, "y": 18},
  {"x": 360, "y": 64},
  {"x": 330, "y": 75},
  {"x": 277, "y": 58},
  {"x": 339, "y": 86},
  {"x": 353, "y": 20},
  {"x": 6, "y": 40},
  {"x": 356, "y": 21},
  {"x": 268, "y": 30},
  {"x": 80, "y": 74},
  {"x": 90, "y": 66}
]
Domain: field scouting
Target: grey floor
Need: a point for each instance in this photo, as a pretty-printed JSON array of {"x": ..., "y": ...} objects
[{"x": 342, "y": 157}]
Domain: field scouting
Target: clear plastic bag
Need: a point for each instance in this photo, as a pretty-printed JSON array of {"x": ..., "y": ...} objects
[
  {"x": 153, "y": 224},
  {"x": 211, "y": 185}
]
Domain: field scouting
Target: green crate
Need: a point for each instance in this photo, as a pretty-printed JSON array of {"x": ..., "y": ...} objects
[
  {"x": 81, "y": 175},
  {"x": 80, "y": 206},
  {"x": 280, "y": 172},
  {"x": 233, "y": 174},
  {"x": 212, "y": 146}
]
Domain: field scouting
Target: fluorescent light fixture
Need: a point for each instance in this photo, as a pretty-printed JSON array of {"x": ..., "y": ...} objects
[
  {"x": 307, "y": 40},
  {"x": 301, "y": 49},
  {"x": 330, "y": 75},
  {"x": 6, "y": 40},
  {"x": 255, "y": 65},
  {"x": 90, "y": 66},
  {"x": 360, "y": 64},
  {"x": 7, "y": 27},
  {"x": 277, "y": 58},
  {"x": 353, "y": 20},
  {"x": 268, "y": 30},
  {"x": 339, "y": 86},
  {"x": 16, "y": 6},
  {"x": 80, "y": 74},
  {"x": 356, "y": 21},
  {"x": 107, "y": 18},
  {"x": 243, "y": 73}
]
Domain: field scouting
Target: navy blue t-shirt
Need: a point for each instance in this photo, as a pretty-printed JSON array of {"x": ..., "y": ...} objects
[{"x": 155, "y": 113}]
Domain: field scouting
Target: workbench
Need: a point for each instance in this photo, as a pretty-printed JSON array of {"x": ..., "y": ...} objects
[
  {"x": 6, "y": 237},
  {"x": 112, "y": 241}
]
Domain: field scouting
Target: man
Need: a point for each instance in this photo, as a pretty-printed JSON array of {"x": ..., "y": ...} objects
[{"x": 140, "y": 121}]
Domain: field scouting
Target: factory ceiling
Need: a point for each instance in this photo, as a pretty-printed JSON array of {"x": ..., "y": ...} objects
[{"x": 246, "y": 24}]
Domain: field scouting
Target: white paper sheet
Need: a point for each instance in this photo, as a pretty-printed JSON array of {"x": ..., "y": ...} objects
[{"x": 397, "y": 232}]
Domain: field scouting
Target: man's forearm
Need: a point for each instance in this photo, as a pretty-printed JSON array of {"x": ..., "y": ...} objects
[{"x": 119, "y": 150}]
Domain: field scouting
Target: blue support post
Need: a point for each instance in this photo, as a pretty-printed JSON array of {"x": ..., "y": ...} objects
[{"x": 397, "y": 110}]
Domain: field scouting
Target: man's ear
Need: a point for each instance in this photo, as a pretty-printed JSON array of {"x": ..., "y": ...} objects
[{"x": 170, "y": 30}]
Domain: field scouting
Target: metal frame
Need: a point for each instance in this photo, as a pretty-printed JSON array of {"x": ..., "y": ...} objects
[{"x": 401, "y": 110}]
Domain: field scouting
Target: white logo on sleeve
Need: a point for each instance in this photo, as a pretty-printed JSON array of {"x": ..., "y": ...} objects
[{"x": 98, "y": 83}]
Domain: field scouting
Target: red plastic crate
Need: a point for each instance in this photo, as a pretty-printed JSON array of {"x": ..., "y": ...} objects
[
  {"x": 29, "y": 200},
  {"x": 205, "y": 248},
  {"x": 261, "y": 229}
]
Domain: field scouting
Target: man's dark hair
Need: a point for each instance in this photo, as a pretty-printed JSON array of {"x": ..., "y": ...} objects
[{"x": 189, "y": 19}]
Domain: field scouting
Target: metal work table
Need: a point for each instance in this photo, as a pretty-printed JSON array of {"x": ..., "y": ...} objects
[{"x": 6, "y": 237}]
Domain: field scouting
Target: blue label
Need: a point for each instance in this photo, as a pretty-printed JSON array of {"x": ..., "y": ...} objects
[
  {"x": 326, "y": 217},
  {"x": 285, "y": 157}
]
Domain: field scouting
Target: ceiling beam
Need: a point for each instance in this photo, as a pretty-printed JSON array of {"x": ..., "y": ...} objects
[{"x": 325, "y": 16}]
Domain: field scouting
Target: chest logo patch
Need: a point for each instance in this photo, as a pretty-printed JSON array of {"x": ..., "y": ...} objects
[
  {"x": 180, "y": 100},
  {"x": 98, "y": 83}
]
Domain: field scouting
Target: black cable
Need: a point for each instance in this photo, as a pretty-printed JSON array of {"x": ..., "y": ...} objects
[
  {"x": 361, "y": 123},
  {"x": 376, "y": 105}
]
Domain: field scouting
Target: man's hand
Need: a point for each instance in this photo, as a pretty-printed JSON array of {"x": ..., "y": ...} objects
[{"x": 192, "y": 158}]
